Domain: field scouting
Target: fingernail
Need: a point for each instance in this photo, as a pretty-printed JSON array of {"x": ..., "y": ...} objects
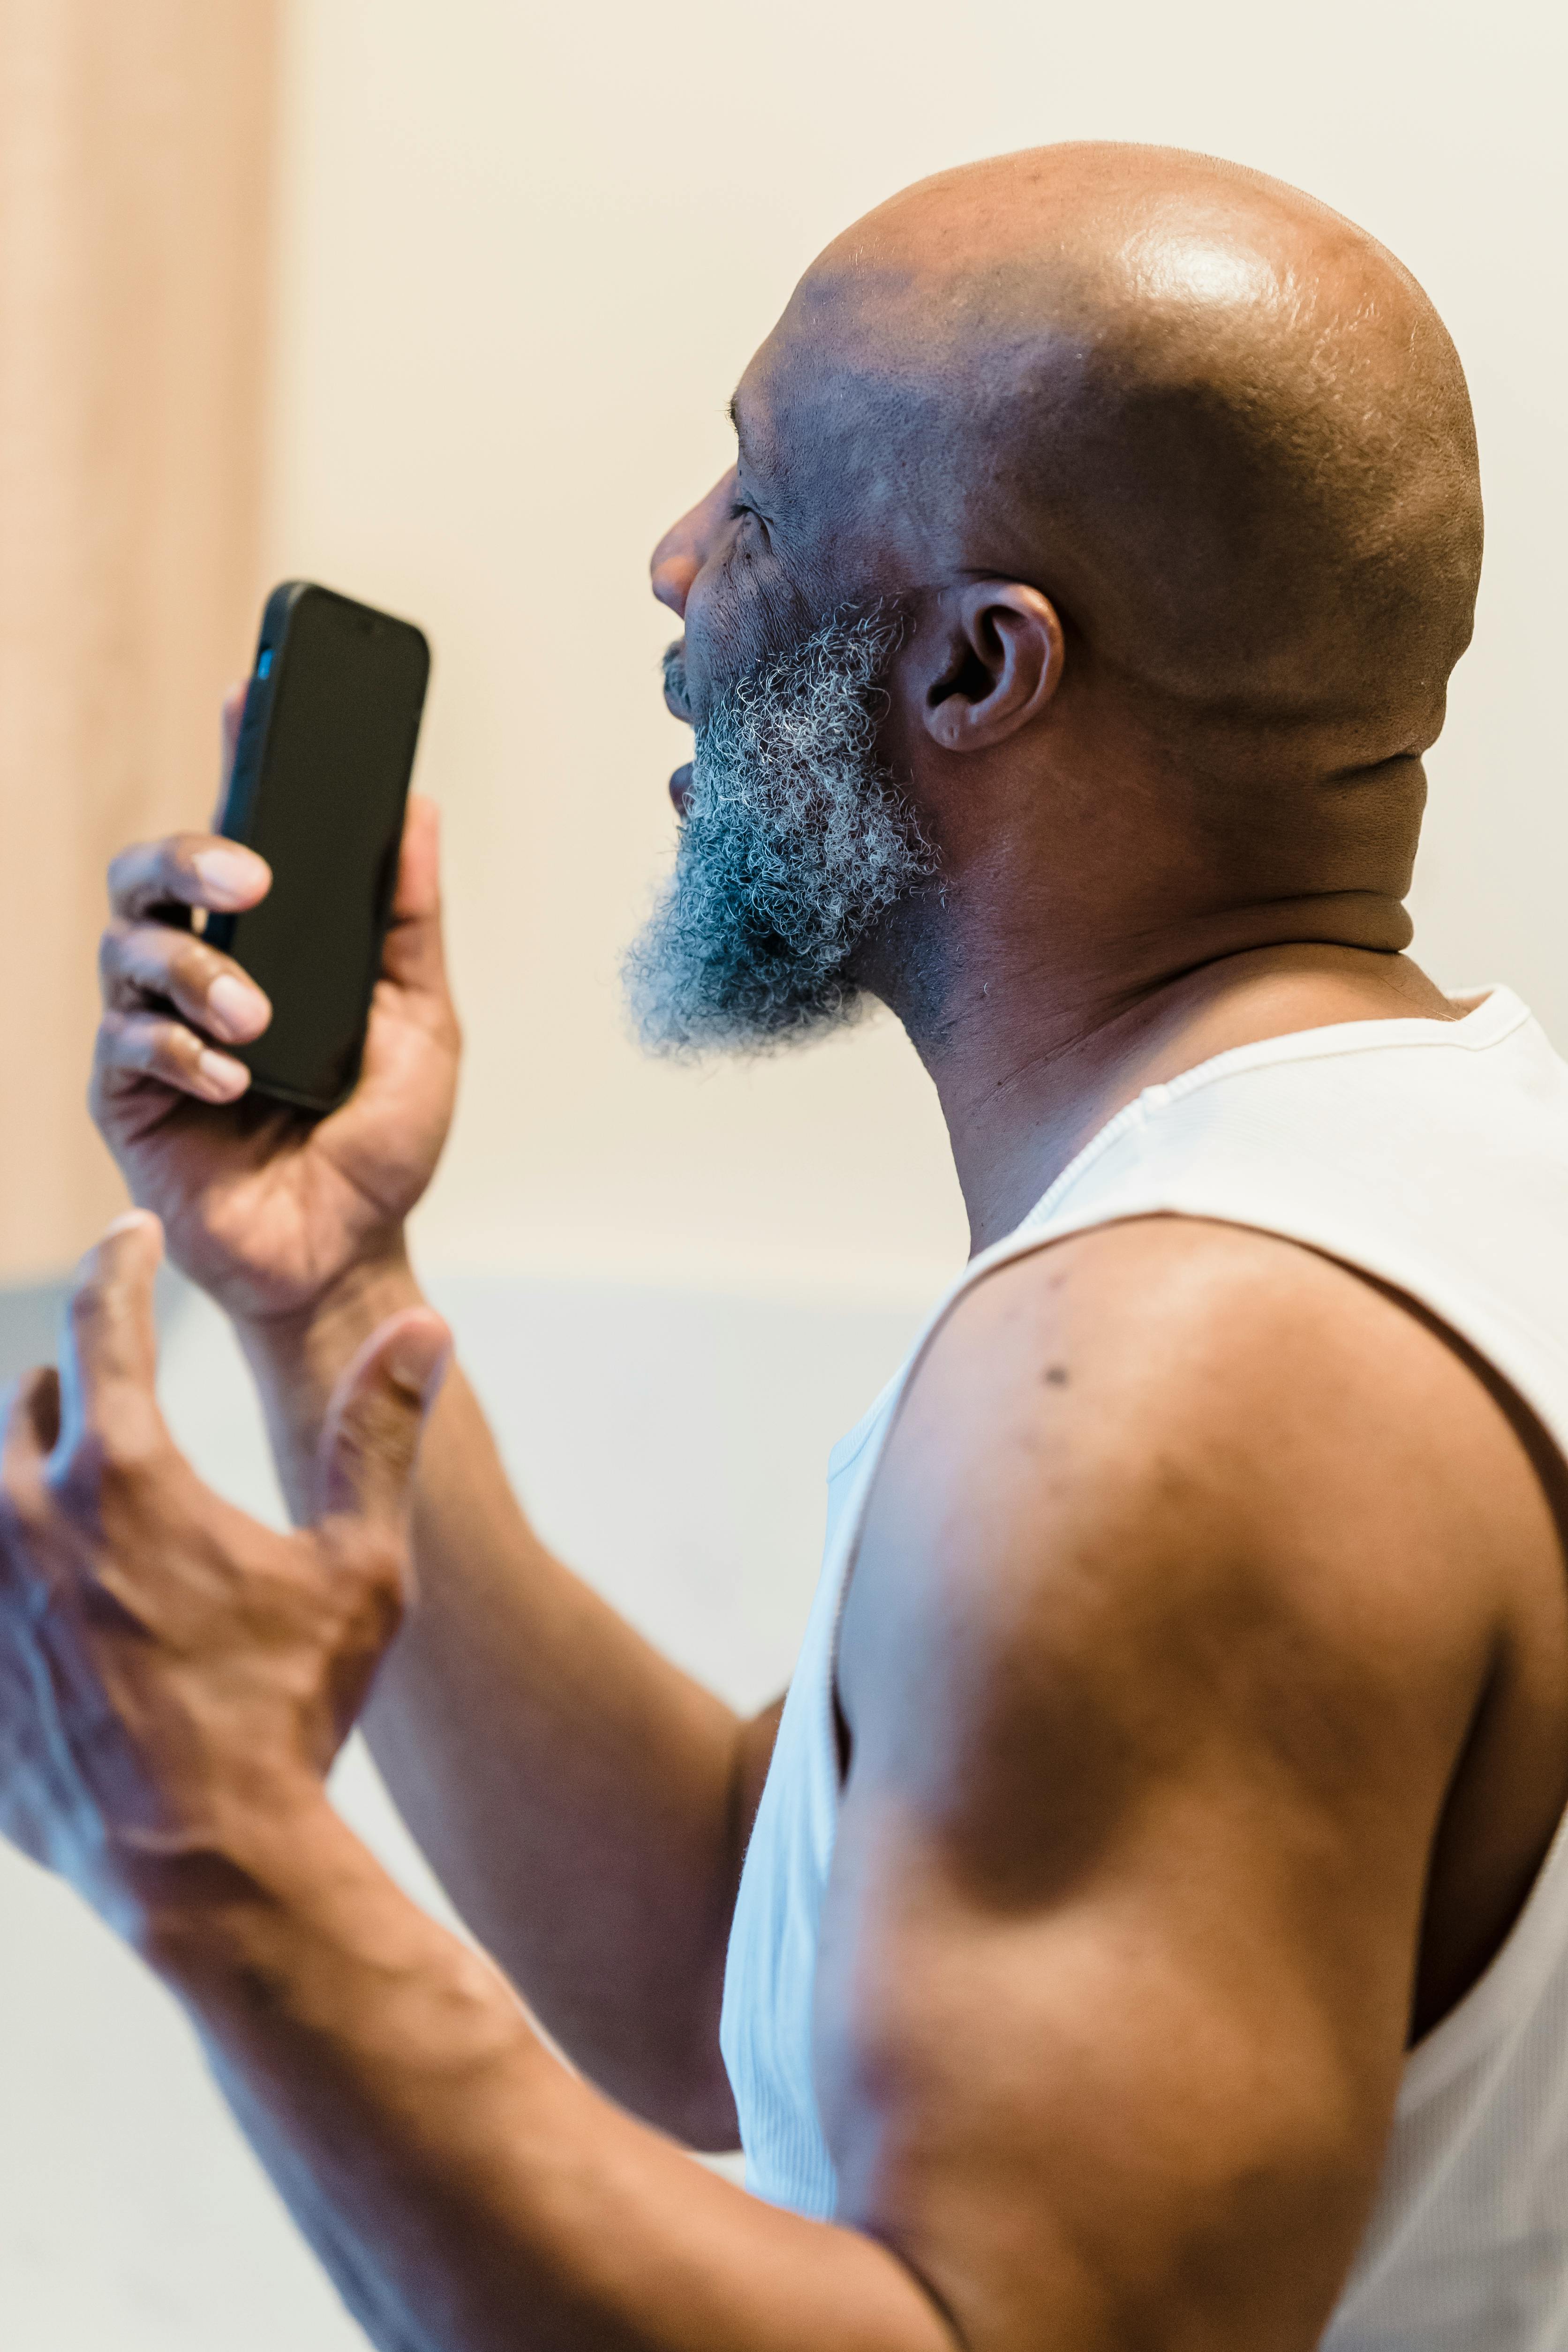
[
  {"x": 414, "y": 1356},
  {"x": 223, "y": 1079},
  {"x": 230, "y": 875},
  {"x": 126, "y": 1221},
  {"x": 235, "y": 1008}
]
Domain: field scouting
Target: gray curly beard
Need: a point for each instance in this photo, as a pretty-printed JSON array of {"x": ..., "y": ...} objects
[{"x": 792, "y": 843}]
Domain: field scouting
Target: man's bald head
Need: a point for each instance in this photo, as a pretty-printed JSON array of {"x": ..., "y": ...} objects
[
  {"x": 1171, "y": 470},
  {"x": 1220, "y": 427}
]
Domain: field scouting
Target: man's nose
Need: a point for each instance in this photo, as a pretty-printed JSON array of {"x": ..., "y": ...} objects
[{"x": 683, "y": 551}]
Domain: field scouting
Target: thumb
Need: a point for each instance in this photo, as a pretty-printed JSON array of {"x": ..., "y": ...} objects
[
  {"x": 108, "y": 1353},
  {"x": 371, "y": 1440}
]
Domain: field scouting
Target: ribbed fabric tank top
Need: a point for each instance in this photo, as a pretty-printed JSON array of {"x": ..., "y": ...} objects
[{"x": 1435, "y": 1156}]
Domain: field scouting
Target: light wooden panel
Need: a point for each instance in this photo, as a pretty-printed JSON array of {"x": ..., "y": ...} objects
[{"x": 134, "y": 163}]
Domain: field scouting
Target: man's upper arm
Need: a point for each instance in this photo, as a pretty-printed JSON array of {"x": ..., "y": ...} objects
[{"x": 1155, "y": 1673}]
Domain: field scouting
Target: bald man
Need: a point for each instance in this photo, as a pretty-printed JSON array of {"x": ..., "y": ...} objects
[{"x": 1141, "y": 1925}]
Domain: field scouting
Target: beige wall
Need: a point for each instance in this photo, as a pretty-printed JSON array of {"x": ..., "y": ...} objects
[
  {"x": 135, "y": 144},
  {"x": 525, "y": 254}
]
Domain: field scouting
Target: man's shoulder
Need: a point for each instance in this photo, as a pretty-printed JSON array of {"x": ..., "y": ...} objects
[
  {"x": 1187, "y": 1337},
  {"x": 1176, "y": 1457},
  {"x": 1234, "y": 1345}
]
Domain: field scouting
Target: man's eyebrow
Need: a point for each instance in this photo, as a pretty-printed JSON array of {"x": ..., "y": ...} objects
[{"x": 733, "y": 413}]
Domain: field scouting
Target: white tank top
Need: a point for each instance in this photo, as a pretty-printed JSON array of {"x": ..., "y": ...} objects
[{"x": 1433, "y": 1155}]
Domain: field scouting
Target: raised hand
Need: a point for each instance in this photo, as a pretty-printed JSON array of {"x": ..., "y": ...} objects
[
  {"x": 176, "y": 1679},
  {"x": 265, "y": 1207}
]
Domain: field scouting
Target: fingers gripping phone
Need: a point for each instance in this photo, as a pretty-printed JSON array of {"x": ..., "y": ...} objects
[{"x": 319, "y": 789}]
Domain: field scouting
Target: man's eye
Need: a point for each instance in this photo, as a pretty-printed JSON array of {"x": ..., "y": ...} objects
[{"x": 738, "y": 508}]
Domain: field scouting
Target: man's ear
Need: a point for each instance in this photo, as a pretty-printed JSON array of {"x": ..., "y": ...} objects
[{"x": 993, "y": 654}]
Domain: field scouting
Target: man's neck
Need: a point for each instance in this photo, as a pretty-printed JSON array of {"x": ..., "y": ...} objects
[{"x": 1031, "y": 1062}]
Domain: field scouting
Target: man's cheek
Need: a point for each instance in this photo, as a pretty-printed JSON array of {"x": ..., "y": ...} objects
[
  {"x": 746, "y": 611},
  {"x": 720, "y": 631}
]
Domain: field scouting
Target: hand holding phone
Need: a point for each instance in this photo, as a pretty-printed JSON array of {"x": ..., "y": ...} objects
[{"x": 267, "y": 1203}]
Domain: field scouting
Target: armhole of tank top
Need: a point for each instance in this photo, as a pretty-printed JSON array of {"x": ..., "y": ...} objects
[
  {"x": 1528, "y": 1949},
  {"x": 1501, "y": 1995},
  {"x": 1528, "y": 1946}
]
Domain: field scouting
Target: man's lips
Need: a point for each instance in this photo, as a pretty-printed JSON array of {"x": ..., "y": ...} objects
[{"x": 680, "y": 788}]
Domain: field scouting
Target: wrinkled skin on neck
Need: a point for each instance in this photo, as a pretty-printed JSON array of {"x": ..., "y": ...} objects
[{"x": 1173, "y": 472}]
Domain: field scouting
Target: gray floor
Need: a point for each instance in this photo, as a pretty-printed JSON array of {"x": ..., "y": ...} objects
[{"x": 672, "y": 1444}]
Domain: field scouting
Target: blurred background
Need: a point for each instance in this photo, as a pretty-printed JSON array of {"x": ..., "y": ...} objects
[{"x": 443, "y": 306}]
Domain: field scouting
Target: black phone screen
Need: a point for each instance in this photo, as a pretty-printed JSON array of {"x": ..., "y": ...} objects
[{"x": 319, "y": 785}]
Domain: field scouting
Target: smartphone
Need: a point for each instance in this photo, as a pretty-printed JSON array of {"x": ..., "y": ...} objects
[{"x": 319, "y": 789}]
